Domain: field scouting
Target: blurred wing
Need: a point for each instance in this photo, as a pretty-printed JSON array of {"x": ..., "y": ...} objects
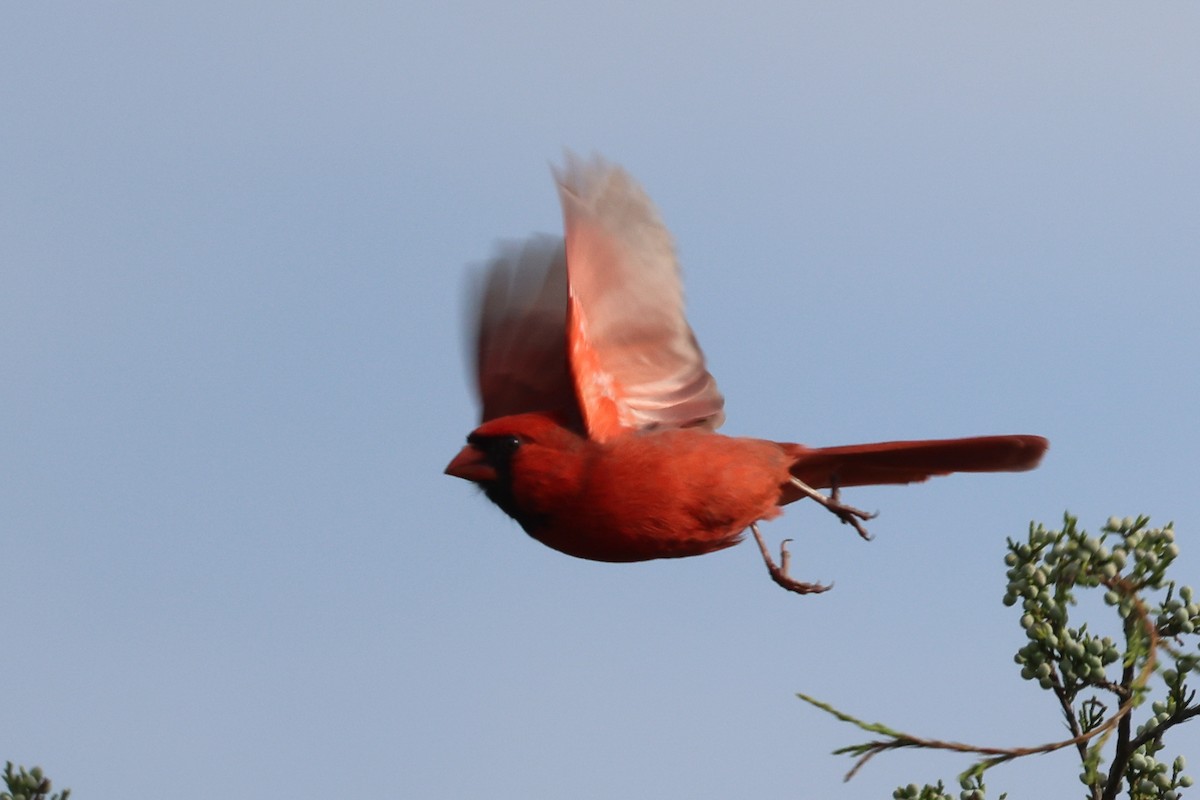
[
  {"x": 520, "y": 308},
  {"x": 634, "y": 359}
]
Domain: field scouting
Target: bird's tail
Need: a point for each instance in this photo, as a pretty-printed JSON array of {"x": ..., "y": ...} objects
[{"x": 909, "y": 462}]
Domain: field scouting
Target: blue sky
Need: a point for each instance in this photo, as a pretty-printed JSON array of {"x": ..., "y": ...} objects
[{"x": 233, "y": 239}]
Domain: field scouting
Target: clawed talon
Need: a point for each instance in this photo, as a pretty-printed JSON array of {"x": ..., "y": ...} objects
[
  {"x": 849, "y": 515},
  {"x": 779, "y": 574}
]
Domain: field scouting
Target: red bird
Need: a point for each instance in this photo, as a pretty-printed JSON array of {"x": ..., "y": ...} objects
[{"x": 599, "y": 415}]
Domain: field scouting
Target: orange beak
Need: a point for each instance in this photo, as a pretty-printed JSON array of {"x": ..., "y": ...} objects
[{"x": 470, "y": 465}]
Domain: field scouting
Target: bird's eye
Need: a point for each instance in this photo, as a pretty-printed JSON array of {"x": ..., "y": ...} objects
[
  {"x": 503, "y": 445},
  {"x": 498, "y": 450}
]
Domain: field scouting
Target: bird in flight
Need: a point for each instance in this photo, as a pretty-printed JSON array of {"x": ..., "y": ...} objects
[{"x": 599, "y": 417}]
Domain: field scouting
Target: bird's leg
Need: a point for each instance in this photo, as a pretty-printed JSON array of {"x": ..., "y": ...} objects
[
  {"x": 849, "y": 515},
  {"x": 780, "y": 574}
]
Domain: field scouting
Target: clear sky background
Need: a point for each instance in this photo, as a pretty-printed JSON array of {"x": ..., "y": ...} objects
[{"x": 233, "y": 238}]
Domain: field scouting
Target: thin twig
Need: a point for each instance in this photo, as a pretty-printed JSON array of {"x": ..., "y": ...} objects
[{"x": 999, "y": 755}]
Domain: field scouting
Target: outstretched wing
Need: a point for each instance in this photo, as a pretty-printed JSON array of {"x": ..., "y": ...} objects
[
  {"x": 633, "y": 357},
  {"x": 519, "y": 304}
]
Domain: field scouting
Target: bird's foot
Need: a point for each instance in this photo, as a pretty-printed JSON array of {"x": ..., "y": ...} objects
[
  {"x": 849, "y": 515},
  {"x": 779, "y": 573}
]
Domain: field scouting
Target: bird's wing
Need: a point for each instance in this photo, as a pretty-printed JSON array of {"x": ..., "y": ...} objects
[
  {"x": 519, "y": 305},
  {"x": 633, "y": 357}
]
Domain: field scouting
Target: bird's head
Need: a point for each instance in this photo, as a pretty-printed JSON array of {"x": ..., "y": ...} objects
[{"x": 515, "y": 458}]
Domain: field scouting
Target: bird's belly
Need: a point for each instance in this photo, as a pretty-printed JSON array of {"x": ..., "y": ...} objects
[
  {"x": 625, "y": 544},
  {"x": 635, "y": 528}
]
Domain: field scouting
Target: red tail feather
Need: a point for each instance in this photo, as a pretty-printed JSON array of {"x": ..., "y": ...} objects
[{"x": 910, "y": 462}]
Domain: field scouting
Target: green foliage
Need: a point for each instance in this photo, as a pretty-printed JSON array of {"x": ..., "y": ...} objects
[
  {"x": 28, "y": 785},
  {"x": 1099, "y": 685},
  {"x": 972, "y": 789}
]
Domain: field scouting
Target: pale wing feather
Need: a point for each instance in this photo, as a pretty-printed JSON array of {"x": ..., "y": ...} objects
[{"x": 627, "y": 314}]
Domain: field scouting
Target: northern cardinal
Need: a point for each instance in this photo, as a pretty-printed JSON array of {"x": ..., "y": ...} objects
[{"x": 599, "y": 414}]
